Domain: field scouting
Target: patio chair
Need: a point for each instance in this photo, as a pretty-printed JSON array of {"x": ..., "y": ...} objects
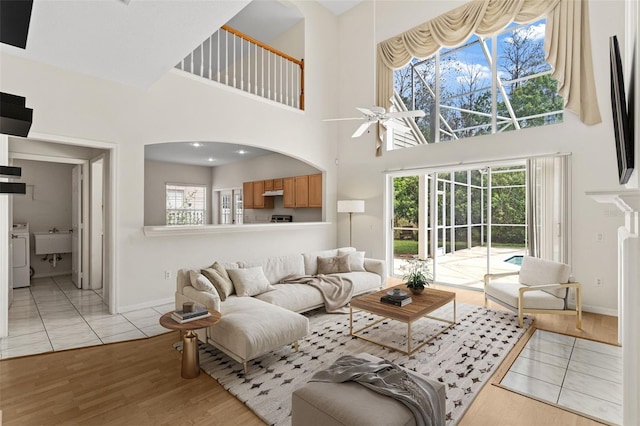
[{"x": 542, "y": 287}]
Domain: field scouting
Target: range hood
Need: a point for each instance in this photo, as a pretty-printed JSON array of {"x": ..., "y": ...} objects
[{"x": 273, "y": 193}]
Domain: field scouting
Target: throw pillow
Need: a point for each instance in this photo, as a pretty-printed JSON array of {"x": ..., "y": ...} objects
[
  {"x": 223, "y": 286},
  {"x": 249, "y": 281},
  {"x": 333, "y": 265},
  {"x": 221, "y": 270},
  {"x": 200, "y": 282},
  {"x": 356, "y": 261}
]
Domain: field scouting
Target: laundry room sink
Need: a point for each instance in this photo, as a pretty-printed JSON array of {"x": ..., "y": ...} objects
[{"x": 52, "y": 243}]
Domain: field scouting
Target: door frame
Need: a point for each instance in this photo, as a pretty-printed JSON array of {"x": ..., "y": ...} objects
[{"x": 111, "y": 265}]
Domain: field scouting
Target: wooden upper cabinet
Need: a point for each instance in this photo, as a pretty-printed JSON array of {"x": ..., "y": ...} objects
[
  {"x": 278, "y": 184},
  {"x": 302, "y": 191},
  {"x": 252, "y": 196},
  {"x": 268, "y": 185},
  {"x": 247, "y": 195},
  {"x": 315, "y": 190},
  {"x": 259, "y": 201},
  {"x": 289, "y": 193}
]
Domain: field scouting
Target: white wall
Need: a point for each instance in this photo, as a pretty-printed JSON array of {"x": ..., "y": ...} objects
[
  {"x": 47, "y": 204},
  {"x": 361, "y": 174},
  {"x": 180, "y": 108},
  {"x": 157, "y": 174}
]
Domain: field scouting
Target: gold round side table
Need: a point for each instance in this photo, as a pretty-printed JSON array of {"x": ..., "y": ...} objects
[{"x": 190, "y": 355}]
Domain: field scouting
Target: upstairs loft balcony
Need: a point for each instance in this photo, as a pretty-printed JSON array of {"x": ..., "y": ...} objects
[{"x": 237, "y": 60}]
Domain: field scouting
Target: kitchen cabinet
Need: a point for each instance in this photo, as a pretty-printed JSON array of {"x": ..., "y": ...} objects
[
  {"x": 260, "y": 202},
  {"x": 278, "y": 184},
  {"x": 302, "y": 191},
  {"x": 315, "y": 190},
  {"x": 289, "y": 193},
  {"x": 253, "y": 199},
  {"x": 268, "y": 185},
  {"x": 247, "y": 195}
]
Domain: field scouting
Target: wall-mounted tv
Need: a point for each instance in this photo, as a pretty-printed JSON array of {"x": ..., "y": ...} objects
[{"x": 621, "y": 120}]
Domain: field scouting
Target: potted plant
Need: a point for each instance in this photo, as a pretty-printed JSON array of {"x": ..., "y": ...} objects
[{"x": 417, "y": 274}]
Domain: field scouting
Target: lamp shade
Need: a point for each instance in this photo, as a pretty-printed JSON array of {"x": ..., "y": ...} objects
[{"x": 351, "y": 206}]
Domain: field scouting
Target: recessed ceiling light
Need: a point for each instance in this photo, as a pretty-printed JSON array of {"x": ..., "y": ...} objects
[
  {"x": 211, "y": 159},
  {"x": 196, "y": 144},
  {"x": 242, "y": 152}
]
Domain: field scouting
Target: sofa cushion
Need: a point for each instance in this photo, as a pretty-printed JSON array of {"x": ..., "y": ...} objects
[
  {"x": 294, "y": 297},
  {"x": 276, "y": 268},
  {"x": 250, "y": 327},
  {"x": 507, "y": 292},
  {"x": 363, "y": 281},
  {"x": 249, "y": 281},
  {"x": 223, "y": 286},
  {"x": 200, "y": 282},
  {"x": 333, "y": 265}
]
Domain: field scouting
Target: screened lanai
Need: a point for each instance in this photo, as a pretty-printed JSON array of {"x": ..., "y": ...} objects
[{"x": 467, "y": 222}]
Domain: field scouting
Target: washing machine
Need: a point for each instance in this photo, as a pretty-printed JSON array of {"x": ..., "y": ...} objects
[{"x": 21, "y": 257}]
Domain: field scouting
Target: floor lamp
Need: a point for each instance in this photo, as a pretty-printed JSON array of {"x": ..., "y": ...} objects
[{"x": 351, "y": 207}]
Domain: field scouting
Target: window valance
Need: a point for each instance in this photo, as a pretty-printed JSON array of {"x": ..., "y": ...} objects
[{"x": 567, "y": 45}]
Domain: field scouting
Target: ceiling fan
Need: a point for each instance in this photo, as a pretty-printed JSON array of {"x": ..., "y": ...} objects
[{"x": 378, "y": 114}]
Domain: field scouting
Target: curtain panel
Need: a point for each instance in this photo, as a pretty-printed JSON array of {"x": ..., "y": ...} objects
[
  {"x": 567, "y": 46},
  {"x": 549, "y": 207}
]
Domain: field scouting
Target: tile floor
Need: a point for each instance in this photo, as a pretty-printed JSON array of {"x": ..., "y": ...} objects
[
  {"x": 579, "y": 374},
  {"x": 53, "y": 314}
]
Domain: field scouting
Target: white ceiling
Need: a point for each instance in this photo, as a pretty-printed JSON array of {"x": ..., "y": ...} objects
[
  {"x": 138, "y": 41},
  {"x": 135, "y": 42},
  {"x": 187, "y": 153}
]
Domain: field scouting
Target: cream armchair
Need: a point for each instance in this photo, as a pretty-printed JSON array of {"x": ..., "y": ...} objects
[{"x": 542, "y": 287}]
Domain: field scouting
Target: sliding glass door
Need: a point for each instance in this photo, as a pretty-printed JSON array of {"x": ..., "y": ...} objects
[{"x": 468, "y": 222}]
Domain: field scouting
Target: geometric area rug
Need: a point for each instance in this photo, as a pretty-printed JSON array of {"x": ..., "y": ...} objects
[{"x": 463, "y": 357}]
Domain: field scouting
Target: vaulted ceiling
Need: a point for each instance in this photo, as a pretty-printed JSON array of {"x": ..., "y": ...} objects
[{"x": 135, "y": 42}]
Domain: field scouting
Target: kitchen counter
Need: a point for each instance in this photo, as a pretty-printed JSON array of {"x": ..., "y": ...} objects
[{"x": 160, "y": 231}]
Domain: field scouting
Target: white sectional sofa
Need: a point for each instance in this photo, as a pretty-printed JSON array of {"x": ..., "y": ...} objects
[{"x": 254, "y": 325}]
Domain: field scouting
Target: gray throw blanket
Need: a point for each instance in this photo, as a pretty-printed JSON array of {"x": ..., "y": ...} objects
[
  {"x": 388, "y": 379},
  {"x": 336, "y": 290}
]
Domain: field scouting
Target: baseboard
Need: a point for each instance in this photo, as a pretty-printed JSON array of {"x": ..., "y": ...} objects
[
  {"x": 598, "y": 310},
  {"x": 150, "y": 304}
]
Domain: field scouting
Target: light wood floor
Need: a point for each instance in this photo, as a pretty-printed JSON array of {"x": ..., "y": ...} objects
[{"x": 139, "y": 382}]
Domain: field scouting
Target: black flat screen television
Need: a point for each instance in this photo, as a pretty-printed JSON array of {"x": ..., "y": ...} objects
[{"x": 621, "y": 120}]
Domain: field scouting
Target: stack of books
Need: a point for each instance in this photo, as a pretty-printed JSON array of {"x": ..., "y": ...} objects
[
  {"x": 397, "y": 298},
  {"x": 198, "y": 313}
]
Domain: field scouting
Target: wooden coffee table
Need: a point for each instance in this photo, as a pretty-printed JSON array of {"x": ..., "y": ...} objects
[
  {"x": 422, "y": 305},
  {"x": 190, "y": 354}
]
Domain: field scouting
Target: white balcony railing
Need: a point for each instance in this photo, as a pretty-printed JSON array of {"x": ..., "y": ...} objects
[{"x": 237, "y": 60}]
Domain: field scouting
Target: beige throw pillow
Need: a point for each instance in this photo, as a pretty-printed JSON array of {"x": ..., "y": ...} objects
[
  {"x": 333, "y": 265},
  {"x": 249, "y": 281},
  {"x": 356, "y": 261},
  {"x": 200, "y": 282},
  {"x": 222, "y": 285}
]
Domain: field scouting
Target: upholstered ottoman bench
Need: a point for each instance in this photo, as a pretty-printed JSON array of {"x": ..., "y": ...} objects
[
  {"x": 250, "y": 327},
  {"x": 350, "y": 403}
]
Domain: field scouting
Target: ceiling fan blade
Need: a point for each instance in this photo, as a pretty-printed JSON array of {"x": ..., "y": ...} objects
[
  {"x": 344, "y": 119},
  {"x": 366, "y": 111},
  {"x": 403, "y": 114},
  {"x": 363, "y": 128}
]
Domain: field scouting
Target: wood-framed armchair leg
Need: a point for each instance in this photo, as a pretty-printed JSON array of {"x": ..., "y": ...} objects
[
  {"x": 579, "y": 308},
  {"x": 244, "y": 367},
  {"x": 295, "y": 345},
  {"x": 520, "y": 319}
]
